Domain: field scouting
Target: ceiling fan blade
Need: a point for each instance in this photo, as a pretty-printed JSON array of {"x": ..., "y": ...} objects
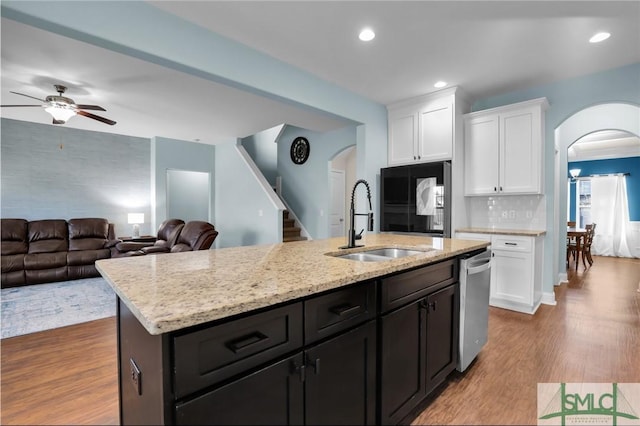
[
  {"x": 90, "y": 107},
  {"x": 28, "y": 96},
  {"x": 20, "y": 106},
  {"x": 96, "y": 117}
]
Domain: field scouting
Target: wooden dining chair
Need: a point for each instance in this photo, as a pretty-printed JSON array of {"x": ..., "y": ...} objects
[
  {"x": 581, "y": 247},
  {"x": 586, "y": 250},
  {"x": 570, "y": 240}
]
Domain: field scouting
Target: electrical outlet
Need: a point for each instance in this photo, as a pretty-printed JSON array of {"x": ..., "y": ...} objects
[
  {"x": 512, "y": 214},
  {"x": 136, "y": 376}
]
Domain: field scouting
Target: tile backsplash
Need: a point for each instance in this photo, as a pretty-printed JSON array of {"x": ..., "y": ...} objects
[{"x": 508, "y": 212}]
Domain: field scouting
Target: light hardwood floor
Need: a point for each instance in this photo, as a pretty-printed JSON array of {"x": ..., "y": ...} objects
[{"x": 68, "y": 375}]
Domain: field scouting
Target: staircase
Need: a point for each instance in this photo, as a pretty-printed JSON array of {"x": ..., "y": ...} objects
[{"x": 290, "y": 232}]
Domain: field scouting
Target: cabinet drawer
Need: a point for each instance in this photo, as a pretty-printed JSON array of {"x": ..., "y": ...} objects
[
  {"x": 406, "y": 287},
  {"x": 208, "y": 356},
  {"x": 512, "y": 243},
  {"x": 336, "y": 311}
]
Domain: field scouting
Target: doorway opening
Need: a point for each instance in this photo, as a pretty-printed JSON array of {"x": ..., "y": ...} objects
[
  {"x": 610, "y": 116},
  {"x": 342, "y": 177}
]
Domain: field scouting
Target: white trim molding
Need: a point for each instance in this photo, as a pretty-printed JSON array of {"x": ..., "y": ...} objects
[{"x": 548, "y": 298}]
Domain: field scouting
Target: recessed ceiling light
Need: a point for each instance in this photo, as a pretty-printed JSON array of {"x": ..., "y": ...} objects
[
  {"x": 367, "y": 34},
  {"x": 440, "y": 84},
  {"x": 599, "y": 37}
]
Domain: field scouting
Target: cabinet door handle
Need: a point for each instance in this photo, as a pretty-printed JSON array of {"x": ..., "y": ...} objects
[
  {"x": 428, "y": 306},
  {"x": 298, "y": 369},
  {"x": 315, "y": 364},
  {"x": 510, "y": 244},
  {"x": 495, "y": 189},
  {"x": 414, "y": 157},
  {"x": 500, "y": 189},
  {"x": 245, "y": 342},
  {"x": 344, "y": 309}
]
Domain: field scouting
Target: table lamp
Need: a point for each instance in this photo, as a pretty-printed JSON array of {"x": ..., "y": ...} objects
[{"x": 135, "y": 219}]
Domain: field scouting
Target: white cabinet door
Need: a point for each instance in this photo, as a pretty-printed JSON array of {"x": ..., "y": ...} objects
[
  {"x": 510, "y": 277},
  {"x": 403, "y": 135},
  {"x": 520, "y": 152},
  {"x": 481, "y": 155},
  {"x": 435, "y": 140}
]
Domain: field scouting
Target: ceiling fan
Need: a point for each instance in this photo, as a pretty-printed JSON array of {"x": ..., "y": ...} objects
[{"x": 63, "y": 108}]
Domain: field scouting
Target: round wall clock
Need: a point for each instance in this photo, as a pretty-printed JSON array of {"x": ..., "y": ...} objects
[{"x": 299, "y": 150}]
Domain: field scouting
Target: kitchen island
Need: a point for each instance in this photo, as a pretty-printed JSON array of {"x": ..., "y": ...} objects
[{"x": 238, "y": 335}]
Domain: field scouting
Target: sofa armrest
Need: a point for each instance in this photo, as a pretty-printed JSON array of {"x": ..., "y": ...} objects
[
  {"x": 126, "y": 246},
  {"x": 155, "y": 249},
  {"x": 111, "y": 243}
]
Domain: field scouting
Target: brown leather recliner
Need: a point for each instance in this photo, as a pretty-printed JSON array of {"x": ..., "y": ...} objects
[
  {"x": 195, "y": 235},
  {"x": 167, "y": 235}
]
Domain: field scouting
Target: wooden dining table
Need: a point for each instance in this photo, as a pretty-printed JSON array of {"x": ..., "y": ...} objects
[{"x": 579, "y": 234}]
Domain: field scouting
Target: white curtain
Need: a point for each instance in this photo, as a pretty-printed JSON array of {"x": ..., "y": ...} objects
[{"x": 610, "y": 213}]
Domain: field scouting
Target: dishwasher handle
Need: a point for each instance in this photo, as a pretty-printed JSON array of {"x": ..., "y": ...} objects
[{"x": 478, "y": 266}]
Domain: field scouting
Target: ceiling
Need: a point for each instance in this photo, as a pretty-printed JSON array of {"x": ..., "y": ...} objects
[{"x": 486, "y": 48}]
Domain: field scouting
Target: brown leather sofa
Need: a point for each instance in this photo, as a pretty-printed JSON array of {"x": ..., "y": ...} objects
[{"x": 51, "y": 250}]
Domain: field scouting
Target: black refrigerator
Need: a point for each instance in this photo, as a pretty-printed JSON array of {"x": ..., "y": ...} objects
[{"x": 417, "y": 199}]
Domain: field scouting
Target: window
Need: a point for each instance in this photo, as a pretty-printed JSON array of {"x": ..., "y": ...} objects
[{"x": 583, "y": 202}]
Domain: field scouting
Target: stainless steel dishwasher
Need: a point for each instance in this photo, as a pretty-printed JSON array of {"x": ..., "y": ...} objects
[{"x": 475, "y": 276}]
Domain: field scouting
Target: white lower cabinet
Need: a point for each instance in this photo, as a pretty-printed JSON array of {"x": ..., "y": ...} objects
[{"x": 516, "y": 272}]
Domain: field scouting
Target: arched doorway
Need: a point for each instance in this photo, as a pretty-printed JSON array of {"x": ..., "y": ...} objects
[{"x": 610, "y": 116}]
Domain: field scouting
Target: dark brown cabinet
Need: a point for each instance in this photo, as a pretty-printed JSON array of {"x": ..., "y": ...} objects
[
  {"x": 340, "y": 379},
  {"x": 332, "y": 383},
  {"x": 367, "y": 353},
  {"x": 443, "y": 317},
  {"x": 270, "y": 396},
  {"x": 418, "y": 340}
]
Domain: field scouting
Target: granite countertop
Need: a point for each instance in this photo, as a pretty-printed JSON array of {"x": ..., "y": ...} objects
[
  {"x": 521, "y": 232},
  {"x": 168, "y": 292}
]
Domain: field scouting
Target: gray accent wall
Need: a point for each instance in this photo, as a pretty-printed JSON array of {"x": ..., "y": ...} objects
[{"x": 56, "y": 172}]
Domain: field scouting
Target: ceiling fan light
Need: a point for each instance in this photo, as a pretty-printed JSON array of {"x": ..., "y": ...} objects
[{"x": 60, "y": 114}]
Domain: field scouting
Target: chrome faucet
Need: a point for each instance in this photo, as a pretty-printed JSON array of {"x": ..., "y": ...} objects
[{"x": 352, "y": 233}]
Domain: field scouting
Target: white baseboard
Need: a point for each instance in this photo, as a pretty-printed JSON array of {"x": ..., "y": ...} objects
[
  {"x": 548, "y": 298},
  {"x": 562, "y": 278}
]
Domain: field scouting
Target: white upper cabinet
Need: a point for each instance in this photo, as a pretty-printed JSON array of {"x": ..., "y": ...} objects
[
  {"x": 504, "y": 149},
  {"x": 403, "y": 136},
  {"x": 422, "y": 129}
]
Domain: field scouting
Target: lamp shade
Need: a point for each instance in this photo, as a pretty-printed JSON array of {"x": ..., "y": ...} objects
[
  {"x": 574, "y": 173},
  {"x": 60, "y": 114},
  {"x": 135, "y": 218}
]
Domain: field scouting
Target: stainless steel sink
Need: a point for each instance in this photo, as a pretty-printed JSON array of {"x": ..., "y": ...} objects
[
  {"x": 380, "y": 254},
  {"x": 393, "y": 252},
  {"x": 364, "y": 257}
]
